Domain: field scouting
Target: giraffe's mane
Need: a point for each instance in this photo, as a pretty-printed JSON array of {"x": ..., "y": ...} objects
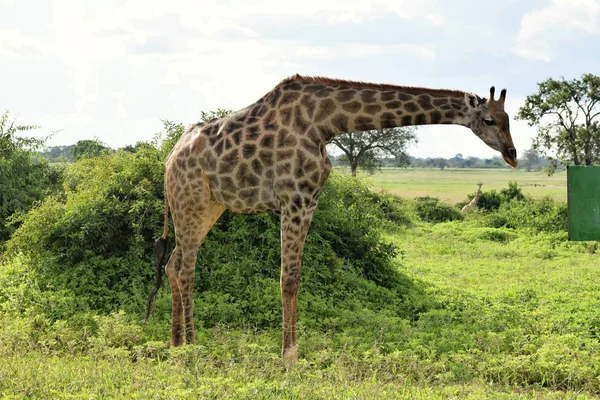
[{"x": 368, "y": 85}]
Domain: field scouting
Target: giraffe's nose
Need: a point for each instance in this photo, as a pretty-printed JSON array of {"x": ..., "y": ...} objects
[{"x": 513, "y": 152}]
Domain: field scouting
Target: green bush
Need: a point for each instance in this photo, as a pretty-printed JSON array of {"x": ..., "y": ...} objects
[
  {"x": 492, "y": 200},
  {"x": 430, "y": 209},
  {"x": 94, "y": 241},
  {"x": 94, "y": 238},
  {"x": 391, "y": 208},
  {"x": 541, "y": 215}
]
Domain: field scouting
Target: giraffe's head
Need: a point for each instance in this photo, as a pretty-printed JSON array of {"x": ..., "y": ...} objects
[{"x": 490, "y": 123}]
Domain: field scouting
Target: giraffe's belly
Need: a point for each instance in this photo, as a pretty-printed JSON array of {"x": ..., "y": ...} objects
[{"x": 244, "y": 195}]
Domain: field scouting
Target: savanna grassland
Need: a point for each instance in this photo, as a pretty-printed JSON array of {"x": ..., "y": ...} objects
[
  {"x": 452, "y": 185},
  {"x": 402, "y": 297}
]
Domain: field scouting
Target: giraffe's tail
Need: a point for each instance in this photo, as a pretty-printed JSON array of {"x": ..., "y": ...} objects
[{"x": 160, "y": 252}]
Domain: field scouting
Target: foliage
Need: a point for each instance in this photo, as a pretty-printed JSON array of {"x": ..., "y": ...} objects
[
  {"x": 210, "y": 115},
  {"x": 366, "y": 149},
  {"x": 25, "y": 177},
  {"x": 458, "y": 161},
  {"x": 531, "y": 160},
  {"x": 541, "y": 215},
  {"x": 430, "y": 209},
  {"x": 57, "y": 153},
  {"x": 535, "y": 335},
  {"x": 171, "y": 132},
  {"x": 94, "y": 241},
  {"x": 510, "y": 208},
  {"x": 88, "y": 148},
  {"x": 572, "y": 109},
  {"x": 492, "y": 200},
  {"x": 93, "y": 238}
]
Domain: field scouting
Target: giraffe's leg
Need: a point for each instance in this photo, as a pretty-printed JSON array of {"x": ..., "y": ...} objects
[
  {"x": 211, "y": 216},
  {"x": 191, "y": 228},
  {"x": 172, "y": 270},
  {"x": 294, "y": 227}
]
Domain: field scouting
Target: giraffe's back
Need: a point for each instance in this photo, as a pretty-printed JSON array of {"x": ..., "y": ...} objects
[{"x": 253, "y": 160}]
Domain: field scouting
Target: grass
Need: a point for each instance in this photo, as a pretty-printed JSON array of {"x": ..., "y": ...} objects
[
  {"x": 453, "y": 185},
  {"x": 516, "y": 317},
  {"x": 52, "y": 377}
]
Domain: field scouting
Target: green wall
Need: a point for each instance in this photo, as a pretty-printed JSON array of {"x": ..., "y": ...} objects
[{"x": 583, "y": 191}]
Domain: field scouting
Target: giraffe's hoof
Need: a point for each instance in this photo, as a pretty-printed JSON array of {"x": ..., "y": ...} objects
[{"x": 290, "y": 356}]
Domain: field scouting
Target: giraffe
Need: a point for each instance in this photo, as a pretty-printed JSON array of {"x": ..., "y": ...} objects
[
  {"x": 473, "y": 203},
  {"x": 271, "y": 157}
]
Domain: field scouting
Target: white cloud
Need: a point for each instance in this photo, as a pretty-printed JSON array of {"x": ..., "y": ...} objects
[
  {"x": 356, "y": 50},
  {"x": 543, "y": 31},
  {"x": 334, "y": 11},
  {"x": 15, "y": 44}
]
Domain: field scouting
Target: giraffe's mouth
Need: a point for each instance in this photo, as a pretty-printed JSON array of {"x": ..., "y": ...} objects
[{"x": 510, "y": 157}]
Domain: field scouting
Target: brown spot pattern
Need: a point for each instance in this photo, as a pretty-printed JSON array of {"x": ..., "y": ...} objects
[{"x": 352, "y": 107}]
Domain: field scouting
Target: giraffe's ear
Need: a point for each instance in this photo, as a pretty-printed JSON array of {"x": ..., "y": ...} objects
[{"x": 474, "y": 101}]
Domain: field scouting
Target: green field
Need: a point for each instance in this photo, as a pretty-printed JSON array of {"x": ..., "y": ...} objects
[
  {"x": 496, "y": 305},
  {"x": 516, "y": 317},
  {"x": 454, "y": 185}
]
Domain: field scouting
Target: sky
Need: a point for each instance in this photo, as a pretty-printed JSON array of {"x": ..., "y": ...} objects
[{"x": 113, "y": 69}]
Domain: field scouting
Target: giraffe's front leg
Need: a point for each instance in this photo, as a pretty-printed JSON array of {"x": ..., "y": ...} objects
[
  {"x": 186, "y": 283},
  {"x": 294, "y": 227}
]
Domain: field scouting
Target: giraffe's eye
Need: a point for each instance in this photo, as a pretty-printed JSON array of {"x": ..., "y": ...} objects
[{"x": 489, "y": 122}]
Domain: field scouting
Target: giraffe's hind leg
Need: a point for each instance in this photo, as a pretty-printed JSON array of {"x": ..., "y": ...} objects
[
  {"x": 294, "y": 227},
  {"x": 172, "y": 270},
  {"x": 193, "y": 216}
]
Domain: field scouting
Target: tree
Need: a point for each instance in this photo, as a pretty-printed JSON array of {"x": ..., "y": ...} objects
[
  {"x": 89, "y": 148},
  {"x": 567, "y": 114},
  {"x": 25, "y": 176},
  {"x": 440, "y": 162},
  {"x": 57, "y": 153},
  {"x": 171, "y": 132},
  {"x": 210, "y": 115},
  {"x": 456, "y": 161},
  {"x": 531, "y": 160},
  {"x": 365, "y": 149}
]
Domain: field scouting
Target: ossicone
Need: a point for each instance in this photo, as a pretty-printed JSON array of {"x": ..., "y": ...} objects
[{"x": 500, "y": 102}]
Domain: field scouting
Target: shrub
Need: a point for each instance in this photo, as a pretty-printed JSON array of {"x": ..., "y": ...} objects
[
  {"x": 492, "y": 200},
  {"x": 94, "y": 241},
  {"x": 391, "y": 208},
  {"x": 430, "y": 209},
  {"x": 542, "y": 215}
]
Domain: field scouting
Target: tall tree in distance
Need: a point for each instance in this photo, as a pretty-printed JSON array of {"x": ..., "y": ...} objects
[
  {"x": 89, "y": 148},
  {"x": 531, "y": 160},
  {"x": 366, "y": 149},
  {"x": 567, "y": 114}
]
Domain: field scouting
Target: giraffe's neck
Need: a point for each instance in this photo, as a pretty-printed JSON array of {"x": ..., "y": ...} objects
[
  {"x": 476, "y": 198},
  {"x": 343, "y": 106}
]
